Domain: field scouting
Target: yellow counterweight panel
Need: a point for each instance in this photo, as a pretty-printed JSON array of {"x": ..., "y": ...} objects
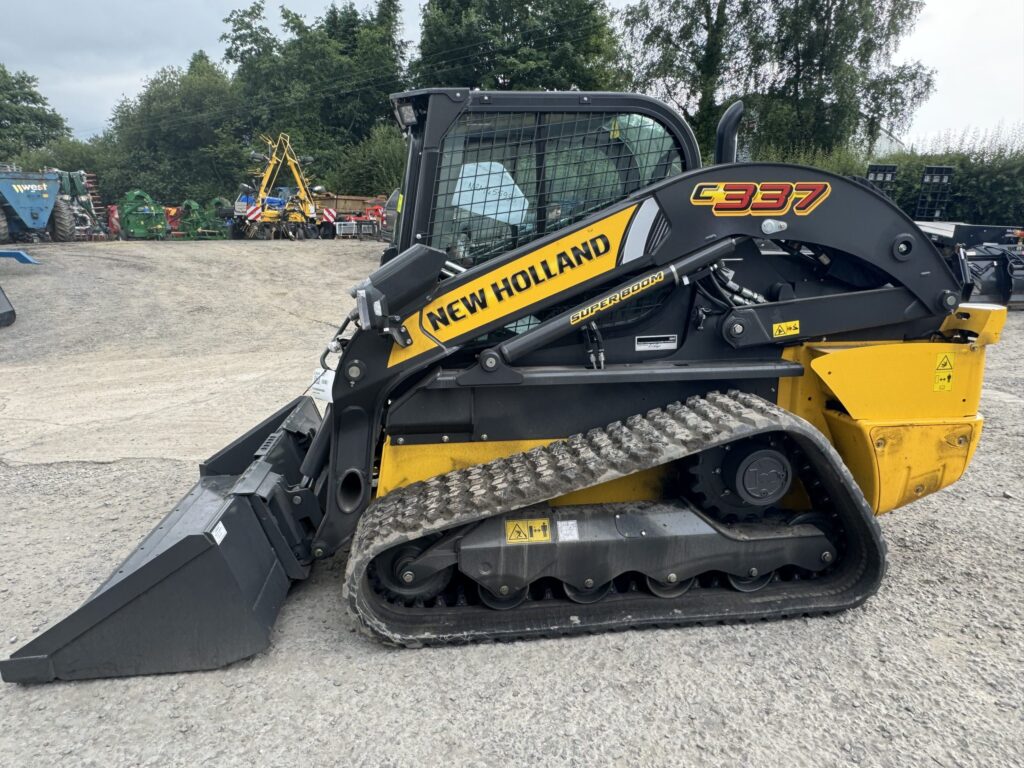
[
  {"x": 911, "y": 422},
  {"x": 896, "y": 463},
  {"x": 401, "y": 465}
]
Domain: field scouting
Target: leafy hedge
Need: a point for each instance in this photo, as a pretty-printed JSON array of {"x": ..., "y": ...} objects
[
  {"x": 988, "y": 177},
  {"x": 984, "y": 190}
]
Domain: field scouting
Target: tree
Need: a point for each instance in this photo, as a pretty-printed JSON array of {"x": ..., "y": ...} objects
[
  {"x": 314, "y": 84},
  {"x": 374, "y": 165},
  {"x": 837, "y": 79},
  {"x": 26, "y": 119},
  {"x": 181, "y": 137},
  {"x": 691, "y": 53},
  {"x": 815, "y": 73},
  {"x": 494, "y": 44},
  {"x": 96, "y": 155}
]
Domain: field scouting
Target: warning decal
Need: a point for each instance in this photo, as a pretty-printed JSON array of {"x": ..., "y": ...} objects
[
  {"x": 943, "y": 379},
  {"x": 527, "y": 531},
  {"x": 788, "y": 328}
]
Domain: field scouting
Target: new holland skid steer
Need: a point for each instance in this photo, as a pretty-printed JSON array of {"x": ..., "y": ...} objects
[{"x": 591, "y": 386}]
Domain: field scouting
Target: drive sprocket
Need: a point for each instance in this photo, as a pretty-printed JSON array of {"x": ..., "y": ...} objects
[{"x": 741, "y": 482}]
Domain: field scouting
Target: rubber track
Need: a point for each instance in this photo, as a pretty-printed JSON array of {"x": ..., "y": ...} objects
[{"x": 622, "y": 448}]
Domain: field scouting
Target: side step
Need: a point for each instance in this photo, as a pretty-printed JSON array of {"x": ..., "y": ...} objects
[{"x": 204, "y": 588}]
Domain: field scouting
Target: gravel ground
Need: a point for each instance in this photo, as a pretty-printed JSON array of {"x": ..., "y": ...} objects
[{"x": 130, "y": 362}]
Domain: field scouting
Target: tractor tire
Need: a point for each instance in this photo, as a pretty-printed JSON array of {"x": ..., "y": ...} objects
[
  {"x": 5, "y": 235},
  {"x": 62, "y": 223}
]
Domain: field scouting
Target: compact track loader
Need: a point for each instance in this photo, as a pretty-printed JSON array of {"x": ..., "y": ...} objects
[{"x": 593, "y": 385}]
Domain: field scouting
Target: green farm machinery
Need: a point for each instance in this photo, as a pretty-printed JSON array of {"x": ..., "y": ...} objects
[
  {"x": 78, "y": 190},
  {"x": 141, "y": 218},
  {"x": 210, "y": 223}
]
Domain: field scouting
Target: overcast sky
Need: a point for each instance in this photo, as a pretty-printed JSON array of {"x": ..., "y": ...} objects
[{"x": 88, "y": 58}]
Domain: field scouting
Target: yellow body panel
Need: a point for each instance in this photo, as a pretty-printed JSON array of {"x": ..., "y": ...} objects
[
  {"x": 908, "y": 424},
  {"x": 532, "y": 277},
  {"x": 984, "y": 320},
  {"x": 401, "y": 465},
  {"x": 897, "y": 462},
  {"x": 907, "y": 380}
]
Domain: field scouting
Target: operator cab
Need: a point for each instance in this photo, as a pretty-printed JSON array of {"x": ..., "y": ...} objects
[{"x": 489, "y": 171}]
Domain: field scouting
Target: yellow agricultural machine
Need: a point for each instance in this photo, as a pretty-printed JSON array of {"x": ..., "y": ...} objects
[{"x": 272, "y": 210}]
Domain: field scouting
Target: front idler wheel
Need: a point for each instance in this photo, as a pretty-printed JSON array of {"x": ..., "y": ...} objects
[
  {"x": 399, "y": 582},
  {"x": 670, "y": 589},
  {"x": 587, "y": 595}
]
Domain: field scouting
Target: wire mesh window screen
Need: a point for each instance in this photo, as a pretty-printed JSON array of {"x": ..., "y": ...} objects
[{"x": 507, "y": 178}]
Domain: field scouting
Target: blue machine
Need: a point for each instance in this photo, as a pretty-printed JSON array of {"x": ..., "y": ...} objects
[
  {"x": 247, "y": 199},
  {"x": 19, "y": 256},
  {"x": 26, "y": 202}
]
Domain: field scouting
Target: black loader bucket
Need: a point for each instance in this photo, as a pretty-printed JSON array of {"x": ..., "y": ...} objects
[
  {"x": 204, "y": 588},
  {"x": 7, "y": 315}
]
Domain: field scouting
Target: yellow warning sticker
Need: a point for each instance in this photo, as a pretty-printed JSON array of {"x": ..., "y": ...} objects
[
  {"x": 943, "y": 379},
  {"x": 528, "y": 531},
  {"x": 788, "y": 328}
]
